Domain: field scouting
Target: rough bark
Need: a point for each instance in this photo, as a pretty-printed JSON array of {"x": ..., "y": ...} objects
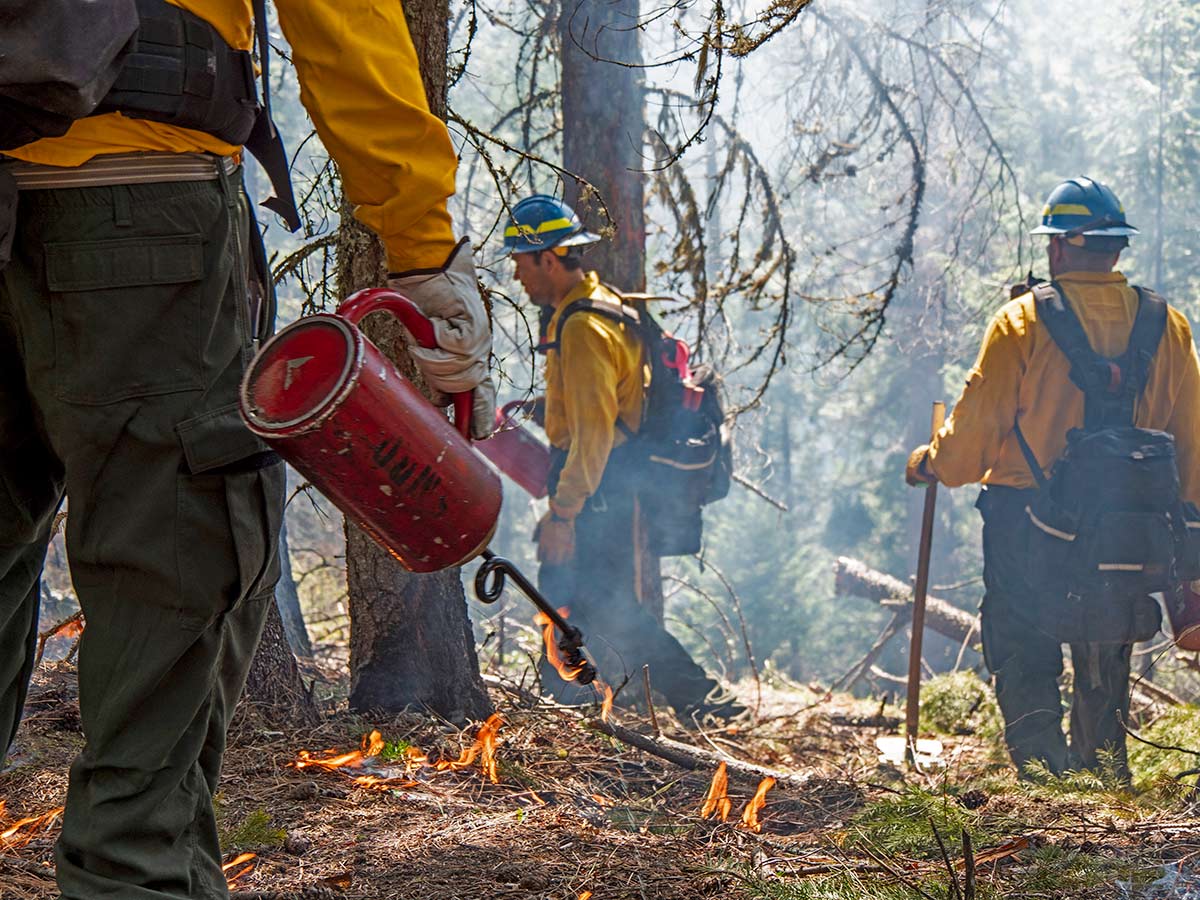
[
  {"x": 410, "y": 638},
  {"x": 603, "y": 106},
  {"x": 856, "y": 578},
  {"x": 273, "y": 685}
]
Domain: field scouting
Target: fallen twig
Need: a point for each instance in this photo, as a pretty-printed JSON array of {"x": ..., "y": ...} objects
[{"x": 692, "y": 757}]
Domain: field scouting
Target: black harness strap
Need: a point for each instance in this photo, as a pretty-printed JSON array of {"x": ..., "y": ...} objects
[
  {"x": 182, "y": 72},
  {"x": 617, "y": 312},
  {"x": 264, "y": 140},
  {"x": 1111, "y": 386}
]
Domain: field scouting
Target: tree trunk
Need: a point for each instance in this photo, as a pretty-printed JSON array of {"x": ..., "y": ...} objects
[
  {"x": 603, "y": 106},
  {"x": 288, "y": 600},
  {"x": 273, "y": 684},
  {"x": 410, "y": 638}
]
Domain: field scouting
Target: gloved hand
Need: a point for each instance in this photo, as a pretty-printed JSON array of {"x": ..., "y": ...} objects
[
  {"x": 916, "y": 472},
  {"x": 555, "y": 537},
  {"x": 450, "y": 298}
]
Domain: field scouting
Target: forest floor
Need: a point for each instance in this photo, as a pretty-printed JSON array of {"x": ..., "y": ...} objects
[{"x": 576, "y": 814}]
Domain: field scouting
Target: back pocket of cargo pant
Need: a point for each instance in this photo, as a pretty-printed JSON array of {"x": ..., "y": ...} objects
[{"x": 126, "y": 317}]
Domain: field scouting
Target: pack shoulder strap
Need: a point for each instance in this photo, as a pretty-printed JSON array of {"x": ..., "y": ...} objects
[
  {"x": 1110, "y": 387},
  {"x": 616, "y": 311},
  {"x": 265, "y": 142}
]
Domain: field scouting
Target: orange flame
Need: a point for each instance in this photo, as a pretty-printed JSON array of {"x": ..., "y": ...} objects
[
  {"x": 372, "y": 745},
  {"x": 757, "y": 802},
  {"x": 69, "y": 628},
  {"x": 606, "y": 706},
  {"x": 231, "y": 880},
  {"x": 716, "y": 801},
  {"x": 414, "y": 758},
  {"x": 586, "y": 895},
  {"x": 485, "y": 744},
  {"x": 22, "y": 831},
  {"x": 565, "y": 671}
]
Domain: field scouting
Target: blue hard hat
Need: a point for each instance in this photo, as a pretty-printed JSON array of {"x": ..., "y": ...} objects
[
  {"x": 542, "y": 222},
  {"x": 1081, "y": 207}
]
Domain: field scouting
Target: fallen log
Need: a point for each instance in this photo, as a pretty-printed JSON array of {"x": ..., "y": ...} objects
[{"x": 854, "y": 577}]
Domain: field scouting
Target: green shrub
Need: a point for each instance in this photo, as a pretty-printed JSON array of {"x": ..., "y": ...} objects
[{"x": 959, "y": 703}]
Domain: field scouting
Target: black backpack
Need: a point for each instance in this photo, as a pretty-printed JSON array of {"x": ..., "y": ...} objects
[
  {"x": 682, "y": 449},
  {"x": 62, "y": 60},
  {"x": 1108, "y": 527}
]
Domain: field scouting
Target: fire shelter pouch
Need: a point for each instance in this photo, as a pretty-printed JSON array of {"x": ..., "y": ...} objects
[{"x": 1053, "y": 544}]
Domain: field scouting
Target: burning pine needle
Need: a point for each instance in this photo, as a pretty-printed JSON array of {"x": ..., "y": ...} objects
[
  {"x": 484, "y": 745},
  {"x": 238, "y": 860},
  {"x": 716, "y": 801},
  {"x": 372, "y": 745},
  {"x": 21, "y": 832},
  {"x": 757, "y": 802}
]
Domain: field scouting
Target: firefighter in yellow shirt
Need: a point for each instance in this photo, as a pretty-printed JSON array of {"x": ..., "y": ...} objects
[
  {"x": 1023, "y": 376},
  {"x": 596, "y": 379},
  {"x": 130, "y": 305}
]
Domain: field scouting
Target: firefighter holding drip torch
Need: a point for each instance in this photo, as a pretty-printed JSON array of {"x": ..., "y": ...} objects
[
  {"x": 596, "y": 381},
  {"x": 127, "y": 318}
]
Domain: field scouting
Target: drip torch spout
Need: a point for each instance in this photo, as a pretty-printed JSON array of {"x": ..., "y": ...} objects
[{"x": 489, "y": 585}]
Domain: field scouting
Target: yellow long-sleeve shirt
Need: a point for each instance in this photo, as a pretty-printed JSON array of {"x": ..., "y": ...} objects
[
  {"x": 1022, "y": 375},
  {"x": 596, "y": 375},
  {"x": 360, "y": 82}
]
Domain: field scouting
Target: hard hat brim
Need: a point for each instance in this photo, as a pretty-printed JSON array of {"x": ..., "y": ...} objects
[{"x": 1110, "y": 231}]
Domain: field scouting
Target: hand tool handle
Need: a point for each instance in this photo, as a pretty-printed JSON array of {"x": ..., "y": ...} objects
[
  {"x": 912, "y": 708},
  {"x": 359, "y": 305}
]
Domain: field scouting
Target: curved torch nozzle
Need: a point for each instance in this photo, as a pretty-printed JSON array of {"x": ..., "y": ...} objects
[{"x": 489, "y": 585}]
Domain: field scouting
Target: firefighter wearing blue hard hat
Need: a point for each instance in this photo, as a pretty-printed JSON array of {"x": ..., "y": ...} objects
[
  {"x": 1066, "y": 360},
  {"x": 595, "y": 375}
]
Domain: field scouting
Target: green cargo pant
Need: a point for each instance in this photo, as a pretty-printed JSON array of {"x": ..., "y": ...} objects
[{"x": 124, "y": 331}]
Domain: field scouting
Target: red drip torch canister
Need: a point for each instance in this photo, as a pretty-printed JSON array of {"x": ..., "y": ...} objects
[
  {"x": 330, "y": 403},
  {"x": 516, "y": 452}
]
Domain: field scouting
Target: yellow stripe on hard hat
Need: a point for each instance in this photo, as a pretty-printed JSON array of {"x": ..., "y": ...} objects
[
  {"x": 549, "y": 225},
  {"x": 1067, "y": 209}
]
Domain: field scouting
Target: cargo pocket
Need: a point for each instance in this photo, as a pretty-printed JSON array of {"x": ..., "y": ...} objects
[
  {"x": 125, "y": 315},
  {"x": 230, "y": 509},
  {"x": 1053, "y": 545},
  {"x": 1132, "y": 554}
]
